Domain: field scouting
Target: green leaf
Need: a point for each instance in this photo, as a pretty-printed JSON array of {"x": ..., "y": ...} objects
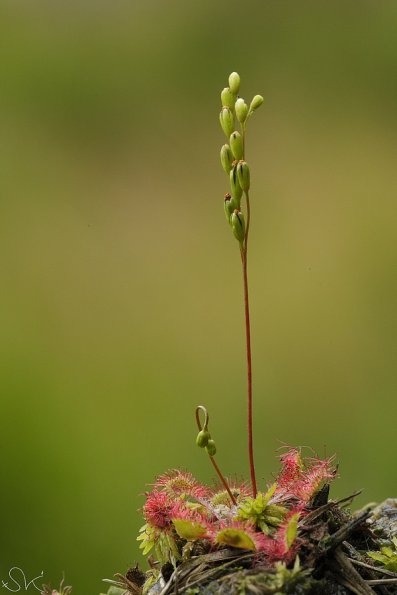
[
  {"x": 189, "y": 530},
  {"x": 267, "y": 496},
  {"x": 235, "y": 538},
  {"x": 147, "y": 535},
  {"x": 292, "y": 529},
  {"x": 387, "y": 551},
  {"x": 258, "y": 510},
  {"x": 388, "y": 559},
  {"x": 377, "y": 556}
]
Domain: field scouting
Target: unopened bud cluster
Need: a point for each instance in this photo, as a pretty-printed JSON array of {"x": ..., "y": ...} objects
[
  {"x": 204, "y": 440},
  {"x": 232, "y": 154}
]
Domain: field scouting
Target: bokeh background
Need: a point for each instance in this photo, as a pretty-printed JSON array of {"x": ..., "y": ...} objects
[{"x": 121, "y": 298}]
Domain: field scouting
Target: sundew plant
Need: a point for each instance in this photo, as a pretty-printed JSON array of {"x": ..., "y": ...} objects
[
  {"x": 286, "y": 537},
  {"x": 181, "y": 514}
]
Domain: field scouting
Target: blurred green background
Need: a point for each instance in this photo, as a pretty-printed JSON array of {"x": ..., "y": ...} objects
[{"x": 121, "y": 298}]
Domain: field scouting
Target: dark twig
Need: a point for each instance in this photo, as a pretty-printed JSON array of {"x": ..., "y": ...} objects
[
  {"x": 336, "y": 538},
  {"x": 315, "y": 514},
  {"x": 347, "y": 575},
  {"x": 374, "y": 568},
  {"x": 383, "y": 581},
  {"x": 200, "y": 569}
]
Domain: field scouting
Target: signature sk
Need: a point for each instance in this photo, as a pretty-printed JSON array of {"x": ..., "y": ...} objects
[{"x": 17, "y": 581}]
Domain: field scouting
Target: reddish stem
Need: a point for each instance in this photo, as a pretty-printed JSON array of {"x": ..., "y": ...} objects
[
  {"x": 218, "y": 471},
  {"x": 223, "y": 480},
  {"x": 244, "y": 250}
]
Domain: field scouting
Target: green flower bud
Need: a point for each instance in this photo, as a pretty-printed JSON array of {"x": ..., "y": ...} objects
[
  {"x": 238, "y": 225},
  {"x": 228, "y": 98},
  {"x": 226, "y": 119},
  {"x": 241, "y": 110},
  {"x": 229, "y": 205},
  {"x": 256, "y": 102},
  {"x": 211, "y": 448},
  {"x": 243, "y": 175},
  {"x": 234, "y": 83},
  {"x": 202, "y": 438},
  {"x": 236, "y": 145},
  {"x": 237, "y": 191},
  {"x": 226, "y": 158}
]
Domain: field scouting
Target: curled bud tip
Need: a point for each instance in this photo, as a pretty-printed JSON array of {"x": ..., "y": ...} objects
[
  {"x": 211, "y": 448},
  {"x": 234, "y": 83},
  {"x": 238, "y": 225},
  {"x": 241, "y": 110},
  {"x": 226, "y": 119},
  {"x": 236, "y": 145},
  {"x": 226, "y": 158},
  {"x": 243, "y": 175},
  {"x": 256, "y": 102},
  {"x": 228, "y": 98}
]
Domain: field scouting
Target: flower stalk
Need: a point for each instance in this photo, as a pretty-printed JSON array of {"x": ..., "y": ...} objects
[
  {"x": 239, "y": 174},
  {"x": 244, "y": 252},
  {"x": 204, "y": 440}
]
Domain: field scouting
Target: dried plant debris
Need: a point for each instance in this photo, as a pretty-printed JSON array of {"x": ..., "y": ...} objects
[{"x": 383, "y": 519}]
